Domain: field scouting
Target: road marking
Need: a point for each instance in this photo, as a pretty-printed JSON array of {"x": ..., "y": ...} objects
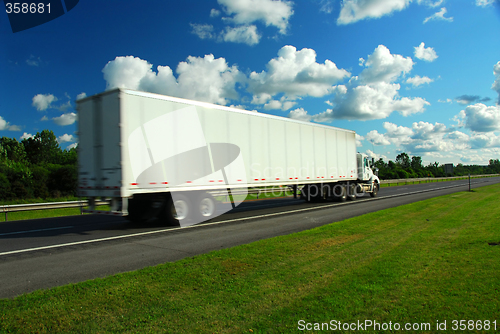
[
  {"x": 215, "y": 223},
  {"x": 40, "y": 230}
]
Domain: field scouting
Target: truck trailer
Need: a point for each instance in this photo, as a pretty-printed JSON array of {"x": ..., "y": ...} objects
[{"x": 174, "y": 159}]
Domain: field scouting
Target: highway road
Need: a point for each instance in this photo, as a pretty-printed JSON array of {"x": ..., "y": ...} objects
[{"x": 44, "y": 253}]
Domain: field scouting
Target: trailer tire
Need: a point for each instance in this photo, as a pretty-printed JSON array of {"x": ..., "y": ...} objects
[
  {"x": 143, "y": 209},
  {"x": 326, "y": 193},
  {"x": 206, "y": 206},
  {"x": 340, "y": 192},
  {"x": 376, "y": 187},
  {"x": 351, "y": 191},
  {"x": 176, "y": 210}
]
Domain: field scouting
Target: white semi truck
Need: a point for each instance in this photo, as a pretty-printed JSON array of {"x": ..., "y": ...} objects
[{"x": 171, "y": 158}]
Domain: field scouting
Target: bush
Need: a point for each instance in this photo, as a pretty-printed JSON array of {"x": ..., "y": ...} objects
[
  {"x": 40, "y": 177},
  {"x": 5, "y": 190}
]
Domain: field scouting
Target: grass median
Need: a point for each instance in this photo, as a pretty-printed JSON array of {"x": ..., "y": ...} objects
[{"x": 434, "y": 260}]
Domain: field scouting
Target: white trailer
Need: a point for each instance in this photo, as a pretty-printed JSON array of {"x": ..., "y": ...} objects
[{"x": 156, "y": 155}]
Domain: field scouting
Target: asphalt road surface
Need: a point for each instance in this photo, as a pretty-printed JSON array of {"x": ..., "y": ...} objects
[{"x": 44, "y": 253}]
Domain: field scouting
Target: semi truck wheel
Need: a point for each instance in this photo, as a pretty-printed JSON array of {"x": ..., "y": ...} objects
[
  {"x": 175, "y": 210},
  {"x": 340, "y": 192},
  {"x": 206, "y": 206},
  {"x": 374, "y": 193},
  {"x": 351, "y": 192},
  {"x": 326, "y": 193},
  {"x": 143, "y": 209}
]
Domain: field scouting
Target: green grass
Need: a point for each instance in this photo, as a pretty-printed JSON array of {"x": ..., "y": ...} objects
[{"x": 424, "y": 262}]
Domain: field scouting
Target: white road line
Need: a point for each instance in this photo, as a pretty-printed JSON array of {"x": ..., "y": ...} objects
[
  {"x": 40, "y": 230},
  {"x": 214, "y": 223}
]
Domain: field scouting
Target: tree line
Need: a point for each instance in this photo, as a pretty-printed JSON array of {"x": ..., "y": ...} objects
[
  {"x": 405, "y": 168},
  {"x": 36, "y": 167}
]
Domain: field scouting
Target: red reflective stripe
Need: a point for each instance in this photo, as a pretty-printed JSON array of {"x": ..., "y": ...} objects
[
  {"x": 277, "y": 178},
  {"x": 239, "y": 180},
  {"x": 189, "y": 181},
  {"x": 134, "y": 184}
]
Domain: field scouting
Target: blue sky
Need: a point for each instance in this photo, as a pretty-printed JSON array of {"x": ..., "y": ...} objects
[{"x": 421, "y": 76}]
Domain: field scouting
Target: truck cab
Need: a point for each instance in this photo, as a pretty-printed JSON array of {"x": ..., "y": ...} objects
[{"x": 368, "y": 174}]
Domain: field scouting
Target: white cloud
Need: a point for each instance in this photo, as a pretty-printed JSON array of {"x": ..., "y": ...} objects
[
  {"x": 65, "y": 119},
  {"x": 445, "y": 101},
  {"x": 485, "y": 3},
  {"x": 295, "y": 73},
  {"x": 394, "y": 130},
  {"x": 458, "y": 136},
  {"x": 496, "y": 84},
  {"x": 271, "y": 13},
  {"x": 203, "y": 31},
  {"x": 4, "y": 125},
  {"x": 14, "y": 128},
  {"x": 372, "y": 95},
  {"x": 469, "y": 99},
  {"x": 44, "y": 118},
  {"x": 377, "y": 138},
  {"x": 376, "y": 156},
  {"x": 381, "y": 65},
  {"x": 279, "y": 104},
  {"x": 64, "y": 106},
  {"x": 242, "y": 34},
  {"x": 417, "y": 80},
  {"x": 427, "y": 54},
  {"x": 214, "y": 12},
  {"x": 374, "y": 101},
  {"x": 26, "y": 136},
  {"x": 326, "y": 6},
  {"x": 300, "y": 114},
  {"x": 425, "y": 130},
  {"x": 42, "y": 102},
  {"x": 480, "y": 140},
  {"x": 439, "y": 16},
  {"x": 33, "y": 61},
  {"x": 359, "y": 138},
  {"x": 481, "y": 118},
  {"x": 430, "y": 3},
  {"x": 204, "y": 79},
  {"x": 354, "y": 10},
  {"x": 80, "y": 96},
  {"x": 65, "y": 138},
  {"x": 71, "y": 146}
]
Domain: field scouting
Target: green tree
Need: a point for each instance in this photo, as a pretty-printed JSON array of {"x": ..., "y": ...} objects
[
  {"x": 13, "y": 150},
  {"x": 416, "y": 163},
  {"x": 43, "y": 148},
  {"x": 403, "y": 160}
]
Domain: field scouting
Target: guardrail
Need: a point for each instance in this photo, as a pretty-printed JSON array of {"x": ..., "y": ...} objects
[
  {"x": 44, "y": 206},
  {"x": 81, "y": 204},
  {"x": 433, "y": 179}
]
